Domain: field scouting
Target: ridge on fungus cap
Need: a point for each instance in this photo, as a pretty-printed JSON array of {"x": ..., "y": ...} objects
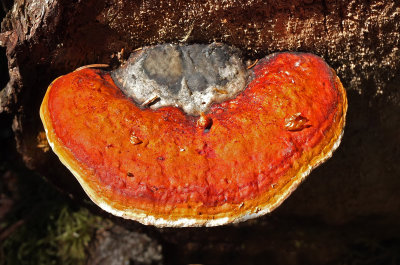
[{"x": 187, "y": 135}]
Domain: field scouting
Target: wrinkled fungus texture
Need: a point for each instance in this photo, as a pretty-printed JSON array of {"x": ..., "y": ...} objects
[
  {"x": 191, "y": 77},
  {"x": 246, "y": 161}
]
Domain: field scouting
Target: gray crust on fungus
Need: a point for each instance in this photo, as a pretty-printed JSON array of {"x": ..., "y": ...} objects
[{"x": 191, "y": 77}]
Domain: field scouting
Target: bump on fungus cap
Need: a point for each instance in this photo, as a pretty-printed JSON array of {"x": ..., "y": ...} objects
[{"x": 188, "y": 136}]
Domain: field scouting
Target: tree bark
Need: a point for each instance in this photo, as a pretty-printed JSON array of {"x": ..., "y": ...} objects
[{"x": 360, "y": 40}]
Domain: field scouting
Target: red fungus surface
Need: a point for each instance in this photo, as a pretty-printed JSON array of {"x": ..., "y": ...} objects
[{"x": 239, "y": 160}]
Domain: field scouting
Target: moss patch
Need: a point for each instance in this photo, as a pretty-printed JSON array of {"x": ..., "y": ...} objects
[{"x": 49, "y": 229}]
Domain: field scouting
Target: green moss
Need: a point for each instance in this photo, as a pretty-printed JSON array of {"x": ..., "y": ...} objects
[{"x": 53, "y": 231}]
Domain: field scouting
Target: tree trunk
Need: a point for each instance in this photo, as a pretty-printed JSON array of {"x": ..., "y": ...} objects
[{"x": 359, "y": 39}]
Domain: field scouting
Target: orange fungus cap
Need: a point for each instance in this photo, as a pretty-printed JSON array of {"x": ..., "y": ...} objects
[{"x": 236, "y": 160}]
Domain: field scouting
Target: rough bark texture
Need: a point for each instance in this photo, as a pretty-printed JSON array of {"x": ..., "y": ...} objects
[{"x": 356, "y": 191}]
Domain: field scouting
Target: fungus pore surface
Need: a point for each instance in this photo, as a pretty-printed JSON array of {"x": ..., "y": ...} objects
[{"x": 188, "y": 136}]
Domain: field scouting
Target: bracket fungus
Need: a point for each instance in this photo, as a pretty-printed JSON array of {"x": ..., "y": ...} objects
[{"x": 187, "y": 135}]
